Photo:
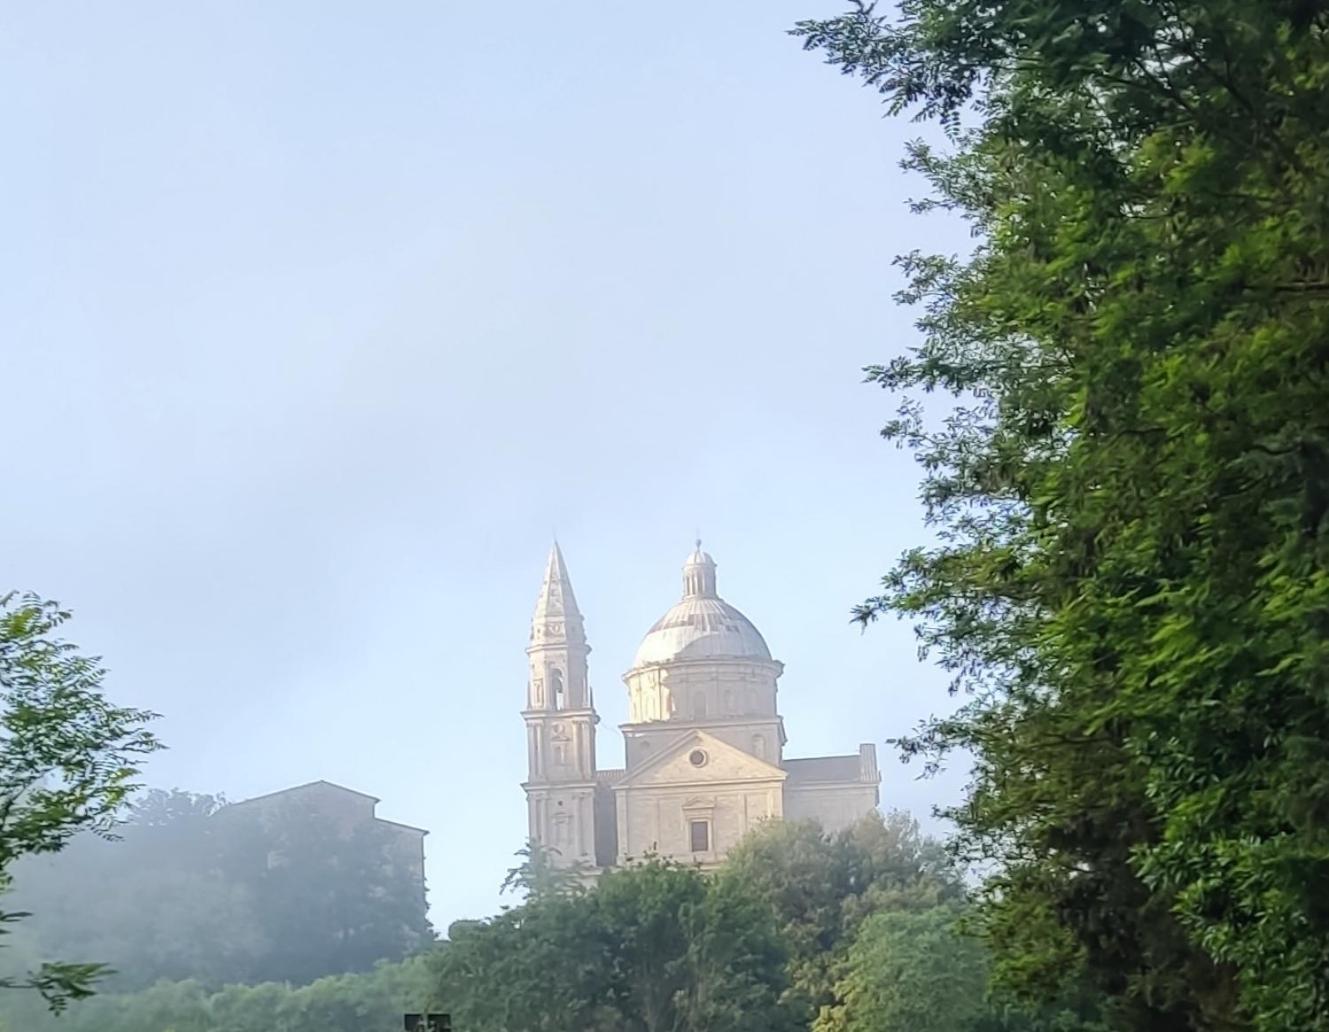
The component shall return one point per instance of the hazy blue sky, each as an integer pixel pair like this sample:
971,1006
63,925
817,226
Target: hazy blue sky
317,320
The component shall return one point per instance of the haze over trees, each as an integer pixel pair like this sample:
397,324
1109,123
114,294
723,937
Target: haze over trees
225,897
1129,477
1131,487
787,935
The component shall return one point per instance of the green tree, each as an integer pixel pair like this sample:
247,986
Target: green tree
910,971
368,1002
1131,487
541,874
821,887
68,759
540,967
650,948
919,969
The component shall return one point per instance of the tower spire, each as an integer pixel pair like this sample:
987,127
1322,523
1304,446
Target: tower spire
557,618
560,721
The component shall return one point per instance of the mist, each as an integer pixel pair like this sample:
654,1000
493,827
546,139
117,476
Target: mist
325,323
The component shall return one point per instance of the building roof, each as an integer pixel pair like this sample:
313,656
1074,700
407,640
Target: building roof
399,824
702,625
824,768
304,788
609,777
341,789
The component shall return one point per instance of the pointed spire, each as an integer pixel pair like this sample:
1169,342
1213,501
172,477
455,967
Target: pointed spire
557,617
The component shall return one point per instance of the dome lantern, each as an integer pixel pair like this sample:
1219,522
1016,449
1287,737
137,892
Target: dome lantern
702,626
699,575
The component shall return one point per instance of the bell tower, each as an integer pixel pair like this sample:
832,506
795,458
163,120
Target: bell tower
560,723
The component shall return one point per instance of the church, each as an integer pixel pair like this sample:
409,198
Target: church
703,745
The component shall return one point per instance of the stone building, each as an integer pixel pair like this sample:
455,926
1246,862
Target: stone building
344,811
704,742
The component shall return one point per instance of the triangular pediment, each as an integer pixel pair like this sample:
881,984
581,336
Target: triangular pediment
698,758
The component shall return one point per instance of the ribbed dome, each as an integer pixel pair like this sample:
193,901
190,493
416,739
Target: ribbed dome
703,625
701,628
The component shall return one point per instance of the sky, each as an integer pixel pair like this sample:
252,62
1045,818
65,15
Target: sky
319,320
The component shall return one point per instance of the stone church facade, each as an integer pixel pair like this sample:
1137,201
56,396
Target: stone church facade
704,742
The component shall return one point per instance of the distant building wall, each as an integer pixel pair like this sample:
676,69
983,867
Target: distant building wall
836,791
833,806
346,810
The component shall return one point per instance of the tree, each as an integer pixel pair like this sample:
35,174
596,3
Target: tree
540,874
68,759
1131,487
172,914
226,897
330,899
369,1002
176,811
649,948
910,970
821,887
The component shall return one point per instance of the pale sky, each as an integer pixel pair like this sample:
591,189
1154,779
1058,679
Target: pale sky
319,319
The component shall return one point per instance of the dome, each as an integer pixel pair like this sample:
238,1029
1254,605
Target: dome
701,628
702,625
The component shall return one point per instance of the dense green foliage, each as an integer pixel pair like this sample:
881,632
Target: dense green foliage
1131,488
822,888
369,1002
800,931
197,896
909,970
68,759
650,948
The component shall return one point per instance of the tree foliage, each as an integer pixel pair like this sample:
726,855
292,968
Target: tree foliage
366,1002
864,921
821,887
541,872
225,898
1131,487
910,970
328,899
653,947
68,759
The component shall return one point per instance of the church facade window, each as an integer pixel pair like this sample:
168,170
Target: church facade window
699,834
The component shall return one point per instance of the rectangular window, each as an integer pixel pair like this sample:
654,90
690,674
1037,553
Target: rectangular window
701,836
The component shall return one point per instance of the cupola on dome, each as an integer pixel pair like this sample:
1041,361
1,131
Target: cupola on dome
702,625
